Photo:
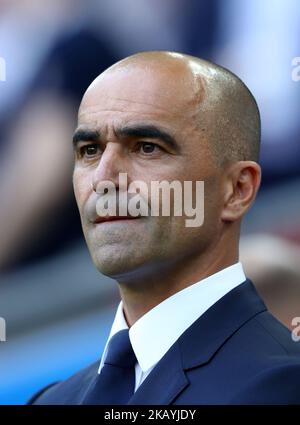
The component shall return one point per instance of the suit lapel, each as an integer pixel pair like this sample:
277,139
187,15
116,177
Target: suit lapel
206,335
198,344
164,382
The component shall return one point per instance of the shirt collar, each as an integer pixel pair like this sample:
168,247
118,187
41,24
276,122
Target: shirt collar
156,331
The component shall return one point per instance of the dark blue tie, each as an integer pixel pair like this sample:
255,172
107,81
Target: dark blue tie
116,381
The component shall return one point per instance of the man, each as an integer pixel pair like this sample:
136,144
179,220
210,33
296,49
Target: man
199,333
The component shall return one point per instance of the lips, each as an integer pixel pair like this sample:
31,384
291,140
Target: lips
112,218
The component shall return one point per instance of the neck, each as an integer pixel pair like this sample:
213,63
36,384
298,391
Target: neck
143,291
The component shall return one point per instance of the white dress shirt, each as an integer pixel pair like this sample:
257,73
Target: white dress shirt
156,331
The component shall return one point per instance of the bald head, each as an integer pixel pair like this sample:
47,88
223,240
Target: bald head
224,109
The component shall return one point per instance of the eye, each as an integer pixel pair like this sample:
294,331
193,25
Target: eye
147,147
89,150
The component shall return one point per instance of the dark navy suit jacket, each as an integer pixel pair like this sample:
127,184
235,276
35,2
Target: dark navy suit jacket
235,353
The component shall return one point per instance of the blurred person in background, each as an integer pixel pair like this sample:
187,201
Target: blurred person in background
37,119
273,264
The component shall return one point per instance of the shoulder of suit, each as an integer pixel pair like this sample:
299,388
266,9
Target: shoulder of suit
77,381
279,334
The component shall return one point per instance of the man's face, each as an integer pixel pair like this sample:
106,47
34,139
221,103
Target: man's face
115,116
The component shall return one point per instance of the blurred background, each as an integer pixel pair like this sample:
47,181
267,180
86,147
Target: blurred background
58,309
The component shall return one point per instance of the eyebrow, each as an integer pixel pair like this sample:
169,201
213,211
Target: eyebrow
138,131
82,135
149,132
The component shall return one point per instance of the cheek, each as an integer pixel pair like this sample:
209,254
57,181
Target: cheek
82,187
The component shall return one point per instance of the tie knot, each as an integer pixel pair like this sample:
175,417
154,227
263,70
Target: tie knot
120,352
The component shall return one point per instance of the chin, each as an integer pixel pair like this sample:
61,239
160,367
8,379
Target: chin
114,262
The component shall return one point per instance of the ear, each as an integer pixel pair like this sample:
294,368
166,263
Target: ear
242,181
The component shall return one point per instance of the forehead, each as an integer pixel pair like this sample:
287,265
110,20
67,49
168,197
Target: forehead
165,95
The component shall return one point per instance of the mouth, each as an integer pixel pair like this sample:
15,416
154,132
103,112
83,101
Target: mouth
107,219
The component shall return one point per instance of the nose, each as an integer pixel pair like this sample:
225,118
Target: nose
109,166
